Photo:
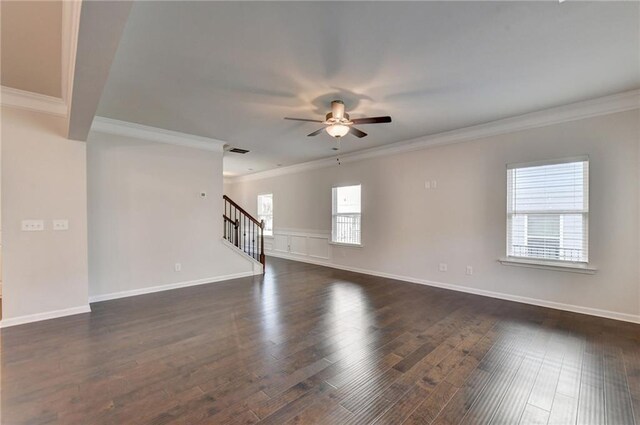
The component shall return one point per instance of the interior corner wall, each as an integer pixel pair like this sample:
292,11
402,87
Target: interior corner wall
43,178
146,214
408,230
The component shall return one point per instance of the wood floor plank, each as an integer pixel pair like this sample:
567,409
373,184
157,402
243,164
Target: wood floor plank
591,407
515,401
484,407
569,379
306,344
564,410
323,411
428,410
618,404
534,416
400,410
631,358
546,383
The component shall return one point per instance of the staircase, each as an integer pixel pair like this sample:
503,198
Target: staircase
243,231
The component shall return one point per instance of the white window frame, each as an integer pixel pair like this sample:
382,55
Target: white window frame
334,216
551,264
260,216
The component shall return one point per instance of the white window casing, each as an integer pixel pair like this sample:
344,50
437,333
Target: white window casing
346,221
548,211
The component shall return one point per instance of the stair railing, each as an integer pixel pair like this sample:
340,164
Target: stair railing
243,231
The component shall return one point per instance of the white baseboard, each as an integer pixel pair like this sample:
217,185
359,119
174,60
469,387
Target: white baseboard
167,287
460,288
20,320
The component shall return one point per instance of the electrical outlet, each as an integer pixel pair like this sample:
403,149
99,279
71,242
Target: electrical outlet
469,270
178,267
60,224
442,267
32,225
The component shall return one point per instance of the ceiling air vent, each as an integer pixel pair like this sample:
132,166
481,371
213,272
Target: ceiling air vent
238,150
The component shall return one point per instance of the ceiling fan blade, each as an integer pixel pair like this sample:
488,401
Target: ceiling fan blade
359,134
301,119
373,120
315,133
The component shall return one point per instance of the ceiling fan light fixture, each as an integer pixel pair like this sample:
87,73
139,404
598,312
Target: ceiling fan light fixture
337,130
339,124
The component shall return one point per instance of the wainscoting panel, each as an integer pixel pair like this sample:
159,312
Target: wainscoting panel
280,242
318,247
299,244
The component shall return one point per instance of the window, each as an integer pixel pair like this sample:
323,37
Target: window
346,215
265,212
548,211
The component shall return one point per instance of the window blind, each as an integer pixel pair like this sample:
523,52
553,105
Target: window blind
548,210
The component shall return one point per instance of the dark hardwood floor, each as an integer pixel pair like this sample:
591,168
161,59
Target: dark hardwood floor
307,344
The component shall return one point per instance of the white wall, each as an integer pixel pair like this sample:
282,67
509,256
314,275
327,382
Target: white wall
146,214
408,230
43,177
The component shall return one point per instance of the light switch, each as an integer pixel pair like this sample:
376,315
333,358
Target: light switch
427,184
61,224
32,225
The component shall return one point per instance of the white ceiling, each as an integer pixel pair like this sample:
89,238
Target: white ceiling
31,48
232,71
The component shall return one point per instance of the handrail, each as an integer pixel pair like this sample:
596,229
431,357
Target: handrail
243,230
242,210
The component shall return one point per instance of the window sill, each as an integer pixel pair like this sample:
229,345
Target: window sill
549,265
268,236
349,245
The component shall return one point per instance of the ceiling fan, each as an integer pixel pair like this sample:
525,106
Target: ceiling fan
338,123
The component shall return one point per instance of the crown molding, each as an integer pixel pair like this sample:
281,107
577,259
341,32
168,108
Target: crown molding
620,102
23,99
155,134
70,29
58,106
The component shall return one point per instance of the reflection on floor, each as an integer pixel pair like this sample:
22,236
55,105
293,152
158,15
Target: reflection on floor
309,344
